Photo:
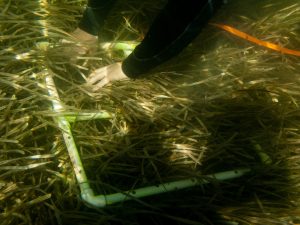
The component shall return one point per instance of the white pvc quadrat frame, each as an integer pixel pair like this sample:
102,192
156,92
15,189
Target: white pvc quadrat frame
87,193
63,120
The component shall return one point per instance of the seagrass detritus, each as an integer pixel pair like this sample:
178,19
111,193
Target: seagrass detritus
202,112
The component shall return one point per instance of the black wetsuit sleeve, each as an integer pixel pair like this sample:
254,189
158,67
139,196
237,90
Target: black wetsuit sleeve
95,14
179,22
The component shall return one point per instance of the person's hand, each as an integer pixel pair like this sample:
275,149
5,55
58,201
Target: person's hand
76,44
103,76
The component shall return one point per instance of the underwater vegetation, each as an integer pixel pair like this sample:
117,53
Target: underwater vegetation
224,103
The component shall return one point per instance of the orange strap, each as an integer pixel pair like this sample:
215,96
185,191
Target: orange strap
256,41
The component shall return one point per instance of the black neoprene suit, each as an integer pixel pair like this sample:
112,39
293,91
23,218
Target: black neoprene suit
177,24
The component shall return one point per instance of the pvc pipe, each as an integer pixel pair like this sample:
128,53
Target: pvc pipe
83,116
125,46
64,125
87,194
104,200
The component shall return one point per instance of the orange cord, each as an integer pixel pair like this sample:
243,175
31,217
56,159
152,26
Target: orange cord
256,41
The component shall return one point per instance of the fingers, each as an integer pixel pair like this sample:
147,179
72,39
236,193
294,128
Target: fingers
100,84
98,78
102,76
97,75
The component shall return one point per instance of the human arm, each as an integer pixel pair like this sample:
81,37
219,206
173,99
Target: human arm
174,28
178,23
94,15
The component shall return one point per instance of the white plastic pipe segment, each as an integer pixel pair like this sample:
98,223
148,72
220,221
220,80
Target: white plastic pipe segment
125,46
83,116
64,125
104,200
